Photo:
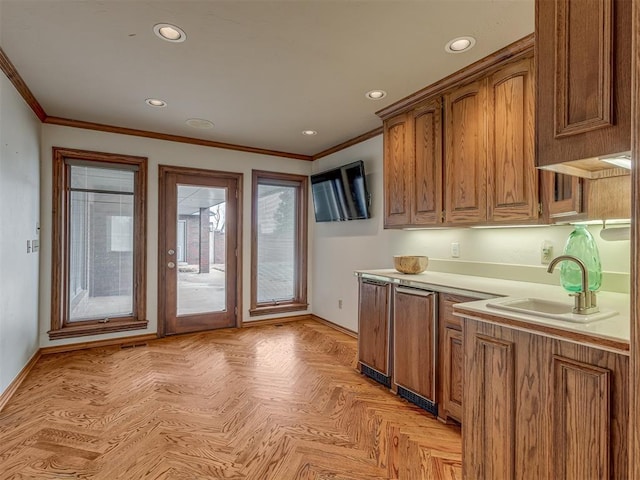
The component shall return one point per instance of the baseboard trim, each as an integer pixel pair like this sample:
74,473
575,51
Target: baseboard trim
335,326
13,386
274,321
135,339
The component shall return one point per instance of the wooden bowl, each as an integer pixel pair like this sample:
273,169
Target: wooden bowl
410,263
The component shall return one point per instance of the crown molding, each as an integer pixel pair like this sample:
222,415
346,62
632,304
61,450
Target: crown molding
359,139
14,77
67,122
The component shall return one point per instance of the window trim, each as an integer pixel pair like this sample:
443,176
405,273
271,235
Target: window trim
60,328
299,301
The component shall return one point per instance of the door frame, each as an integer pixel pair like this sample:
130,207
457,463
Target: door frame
163,171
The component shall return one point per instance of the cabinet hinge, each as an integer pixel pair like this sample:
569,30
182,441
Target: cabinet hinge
540,209
236,193
442,216
235,310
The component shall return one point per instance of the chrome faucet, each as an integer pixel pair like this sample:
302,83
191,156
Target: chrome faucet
585,300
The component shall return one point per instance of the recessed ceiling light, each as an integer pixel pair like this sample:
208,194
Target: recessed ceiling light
375,94
169,32
155,102
460,44
309,132
199,123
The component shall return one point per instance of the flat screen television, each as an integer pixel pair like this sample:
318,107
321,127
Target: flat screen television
341,194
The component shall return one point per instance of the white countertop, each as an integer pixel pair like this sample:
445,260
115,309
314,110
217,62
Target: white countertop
616,329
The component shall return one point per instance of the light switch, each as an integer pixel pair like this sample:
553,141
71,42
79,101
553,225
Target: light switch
28,246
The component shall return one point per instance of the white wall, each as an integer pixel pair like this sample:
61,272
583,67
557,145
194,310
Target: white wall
335,249
158,152
342,247
19,213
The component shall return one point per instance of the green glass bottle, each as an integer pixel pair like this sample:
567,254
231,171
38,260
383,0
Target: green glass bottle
581,244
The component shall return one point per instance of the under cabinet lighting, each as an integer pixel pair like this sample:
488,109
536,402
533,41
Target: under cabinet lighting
309,133
622,161
486,227
604,223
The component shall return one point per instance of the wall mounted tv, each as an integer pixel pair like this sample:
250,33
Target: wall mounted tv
341,194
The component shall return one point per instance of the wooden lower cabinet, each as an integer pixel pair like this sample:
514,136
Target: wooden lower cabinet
537,407
374,329
450,358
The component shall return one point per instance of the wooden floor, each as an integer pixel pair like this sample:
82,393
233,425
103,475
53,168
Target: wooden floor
275,402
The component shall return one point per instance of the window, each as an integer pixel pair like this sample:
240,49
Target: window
98,243
279,243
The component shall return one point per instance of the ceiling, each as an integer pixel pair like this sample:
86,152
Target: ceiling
261,71
191,198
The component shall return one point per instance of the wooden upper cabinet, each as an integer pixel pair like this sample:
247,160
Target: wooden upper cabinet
583,79
397,171
463,153
562,195
426,205
512,188
413,166
465,160
569,197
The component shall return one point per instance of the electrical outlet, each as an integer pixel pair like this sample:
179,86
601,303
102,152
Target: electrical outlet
455,249
35,245
546,252
340,304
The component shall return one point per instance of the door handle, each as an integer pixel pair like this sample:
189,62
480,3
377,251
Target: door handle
171,265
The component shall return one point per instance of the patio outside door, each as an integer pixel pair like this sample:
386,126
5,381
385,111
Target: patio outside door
198,250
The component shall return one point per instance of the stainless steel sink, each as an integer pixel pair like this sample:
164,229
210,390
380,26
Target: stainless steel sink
548,308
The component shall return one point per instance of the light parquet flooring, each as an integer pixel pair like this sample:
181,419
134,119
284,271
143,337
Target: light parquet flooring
263,403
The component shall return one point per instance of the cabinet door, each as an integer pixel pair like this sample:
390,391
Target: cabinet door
590,412
542,407
466,154
426,180
450,359
452,380
397,171
414,347
562,194
512,175
583,79
506,403
374,325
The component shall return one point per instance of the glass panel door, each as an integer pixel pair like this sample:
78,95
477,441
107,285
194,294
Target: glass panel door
201,273
198,269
